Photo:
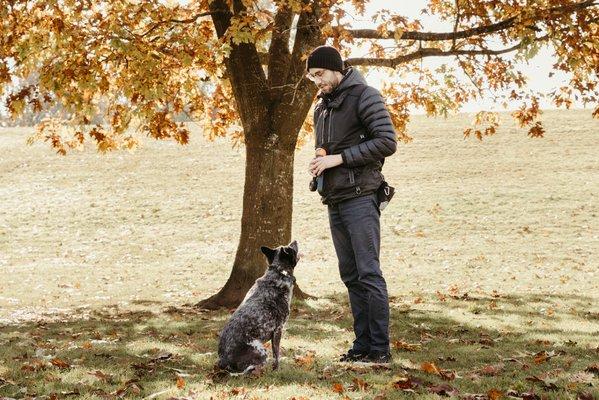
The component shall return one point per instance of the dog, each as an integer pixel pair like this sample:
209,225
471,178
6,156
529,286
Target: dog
261,316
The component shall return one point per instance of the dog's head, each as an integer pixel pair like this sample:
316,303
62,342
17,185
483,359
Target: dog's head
283,258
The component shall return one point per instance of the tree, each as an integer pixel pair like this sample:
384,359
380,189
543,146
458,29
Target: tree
239,65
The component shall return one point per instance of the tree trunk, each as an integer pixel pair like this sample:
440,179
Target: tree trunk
266,216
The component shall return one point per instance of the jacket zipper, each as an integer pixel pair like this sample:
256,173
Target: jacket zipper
330,119
321,128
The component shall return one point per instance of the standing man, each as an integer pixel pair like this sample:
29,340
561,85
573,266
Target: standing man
354,128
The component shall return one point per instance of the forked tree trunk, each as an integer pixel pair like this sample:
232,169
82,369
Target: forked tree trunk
266,217
272,110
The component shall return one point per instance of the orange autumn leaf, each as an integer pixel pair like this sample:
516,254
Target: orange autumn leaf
180,382
430,368
400,345
360,384
305,361
541,357
494,394
338,388
57,362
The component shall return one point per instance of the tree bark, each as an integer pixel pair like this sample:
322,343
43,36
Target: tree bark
266,217
272,111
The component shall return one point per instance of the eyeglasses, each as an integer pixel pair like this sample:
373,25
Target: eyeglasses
316,75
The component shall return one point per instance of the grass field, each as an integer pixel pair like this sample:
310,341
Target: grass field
489,250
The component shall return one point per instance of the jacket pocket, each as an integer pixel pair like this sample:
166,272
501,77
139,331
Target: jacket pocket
340,178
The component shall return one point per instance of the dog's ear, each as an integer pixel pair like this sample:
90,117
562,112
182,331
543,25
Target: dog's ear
293,245
291,253
269,253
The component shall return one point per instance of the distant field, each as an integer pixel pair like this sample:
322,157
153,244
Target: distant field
500,235
510,213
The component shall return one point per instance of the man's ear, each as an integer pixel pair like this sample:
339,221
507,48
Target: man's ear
269,253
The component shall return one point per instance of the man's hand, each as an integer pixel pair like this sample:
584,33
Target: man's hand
319,164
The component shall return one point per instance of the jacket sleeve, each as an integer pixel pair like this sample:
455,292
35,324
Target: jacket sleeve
377,121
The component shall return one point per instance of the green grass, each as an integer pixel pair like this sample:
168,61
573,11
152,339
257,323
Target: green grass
137,354
489,250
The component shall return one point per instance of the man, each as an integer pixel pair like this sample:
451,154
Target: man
354,128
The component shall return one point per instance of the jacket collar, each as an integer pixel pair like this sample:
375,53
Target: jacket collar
351,78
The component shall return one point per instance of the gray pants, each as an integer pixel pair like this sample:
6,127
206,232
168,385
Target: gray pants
355,228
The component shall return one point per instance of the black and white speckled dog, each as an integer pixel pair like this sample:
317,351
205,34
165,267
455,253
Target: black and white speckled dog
261,315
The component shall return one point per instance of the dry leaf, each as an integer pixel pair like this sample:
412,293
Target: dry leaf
306,361
338,388
491,370
57,362
431,368
541,357
359,384
443,390
180,382
238,390
405,382
400,345
494,394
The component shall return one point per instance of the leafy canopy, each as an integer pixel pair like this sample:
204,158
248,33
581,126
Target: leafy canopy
143,63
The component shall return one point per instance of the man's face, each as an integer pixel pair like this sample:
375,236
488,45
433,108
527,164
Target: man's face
325,79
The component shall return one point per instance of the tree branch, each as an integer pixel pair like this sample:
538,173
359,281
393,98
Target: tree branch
183,21
439,36
244,69
432,52
278,52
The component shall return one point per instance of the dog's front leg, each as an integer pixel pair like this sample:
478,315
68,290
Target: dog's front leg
276,341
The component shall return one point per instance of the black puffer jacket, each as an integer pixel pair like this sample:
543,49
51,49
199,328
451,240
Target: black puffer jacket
353,121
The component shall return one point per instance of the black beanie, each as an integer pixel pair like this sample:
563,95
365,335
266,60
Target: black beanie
326,57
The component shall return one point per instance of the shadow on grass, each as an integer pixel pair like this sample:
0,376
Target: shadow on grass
171,352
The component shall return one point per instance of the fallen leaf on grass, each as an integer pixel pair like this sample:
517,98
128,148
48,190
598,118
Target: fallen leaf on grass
359,384
430,368
238,390
541,357
593,368
544,356
57,362
494,394
400,345
546,383
585,396
101,376
305,361
491,370
441,296
34,366
180,382
405,383
338,388
443,390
